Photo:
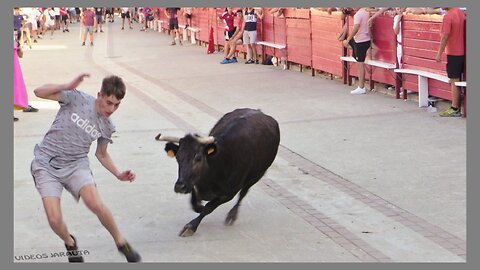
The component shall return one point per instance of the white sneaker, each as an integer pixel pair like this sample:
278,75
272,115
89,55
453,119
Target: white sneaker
358,91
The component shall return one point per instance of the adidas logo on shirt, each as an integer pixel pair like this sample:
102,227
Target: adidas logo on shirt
84,124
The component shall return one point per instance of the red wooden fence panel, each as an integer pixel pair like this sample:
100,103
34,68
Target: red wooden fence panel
421,40
273,30
201,21
299,41
326,49
384,48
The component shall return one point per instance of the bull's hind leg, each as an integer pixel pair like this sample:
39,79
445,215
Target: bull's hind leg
232,214
191,227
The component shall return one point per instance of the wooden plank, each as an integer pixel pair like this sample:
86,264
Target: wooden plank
422,35
423,63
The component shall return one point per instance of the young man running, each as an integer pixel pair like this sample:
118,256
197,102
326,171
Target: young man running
61,158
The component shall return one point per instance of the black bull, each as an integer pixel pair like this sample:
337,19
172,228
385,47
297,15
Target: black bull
239,149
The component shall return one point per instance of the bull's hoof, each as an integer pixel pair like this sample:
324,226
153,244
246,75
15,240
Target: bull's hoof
187,231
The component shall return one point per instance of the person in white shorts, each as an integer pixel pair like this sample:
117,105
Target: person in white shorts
250,32
61,158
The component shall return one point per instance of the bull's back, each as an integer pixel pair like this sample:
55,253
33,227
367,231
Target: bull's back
250,137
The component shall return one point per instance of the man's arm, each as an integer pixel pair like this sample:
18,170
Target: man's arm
396,24
52,91
352,34
104,157
259,13
443,44
375,15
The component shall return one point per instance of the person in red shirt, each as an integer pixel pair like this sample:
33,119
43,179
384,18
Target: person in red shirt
236,39
453,40
89,23
64,17
228,17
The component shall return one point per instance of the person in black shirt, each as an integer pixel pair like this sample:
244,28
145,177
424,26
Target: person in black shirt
99,13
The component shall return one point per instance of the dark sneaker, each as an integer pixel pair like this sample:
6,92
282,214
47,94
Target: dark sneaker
233,60
129,252
72,252
451,112
250,61
30,109
256,61
172,44
91,43
83,43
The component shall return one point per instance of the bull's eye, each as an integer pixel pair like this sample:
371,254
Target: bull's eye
197,158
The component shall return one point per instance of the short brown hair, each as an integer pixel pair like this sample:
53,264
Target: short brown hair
113,85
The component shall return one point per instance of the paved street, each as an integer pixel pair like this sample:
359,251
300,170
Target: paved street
357,178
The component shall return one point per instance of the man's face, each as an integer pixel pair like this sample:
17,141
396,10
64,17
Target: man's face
106,106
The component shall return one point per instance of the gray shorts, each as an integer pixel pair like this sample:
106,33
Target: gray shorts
88,29
249,37
50,180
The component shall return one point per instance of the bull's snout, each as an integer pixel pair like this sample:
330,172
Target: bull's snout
181,187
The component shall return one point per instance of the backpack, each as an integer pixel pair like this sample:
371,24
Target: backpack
268,60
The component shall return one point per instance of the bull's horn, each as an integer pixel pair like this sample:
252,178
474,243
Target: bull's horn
205,140
160,137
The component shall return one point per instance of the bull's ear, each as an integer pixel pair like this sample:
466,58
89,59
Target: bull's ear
211,149
171,149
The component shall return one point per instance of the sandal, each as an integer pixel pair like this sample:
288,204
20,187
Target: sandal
72,252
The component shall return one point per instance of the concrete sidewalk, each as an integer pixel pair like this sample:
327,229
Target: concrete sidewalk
357,178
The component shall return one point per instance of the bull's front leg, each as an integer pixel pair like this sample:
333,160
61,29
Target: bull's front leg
191,227
196,201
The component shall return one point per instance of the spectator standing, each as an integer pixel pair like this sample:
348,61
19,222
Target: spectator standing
99,13
64,19
172,16
187,16
125,14
360,41
58,18
89,22
110,14
251,16
49,17
33,20
17,24
453,40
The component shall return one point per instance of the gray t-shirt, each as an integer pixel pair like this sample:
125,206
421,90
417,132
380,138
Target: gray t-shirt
75,127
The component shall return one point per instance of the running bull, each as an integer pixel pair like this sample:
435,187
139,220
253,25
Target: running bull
235,155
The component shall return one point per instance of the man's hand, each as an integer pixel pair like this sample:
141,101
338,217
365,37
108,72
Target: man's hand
127,175
77,81
345,43
370,22
439,57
